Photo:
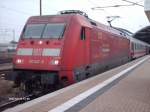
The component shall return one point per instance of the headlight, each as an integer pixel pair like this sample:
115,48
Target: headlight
40,42
54,62
19,61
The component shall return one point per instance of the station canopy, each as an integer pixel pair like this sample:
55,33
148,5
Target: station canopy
143,34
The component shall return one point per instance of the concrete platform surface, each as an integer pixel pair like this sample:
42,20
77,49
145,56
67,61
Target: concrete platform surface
130,92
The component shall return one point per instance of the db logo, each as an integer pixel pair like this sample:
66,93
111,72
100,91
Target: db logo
37,52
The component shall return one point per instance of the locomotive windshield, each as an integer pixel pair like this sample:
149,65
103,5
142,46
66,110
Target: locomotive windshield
33,30
50,30
54,30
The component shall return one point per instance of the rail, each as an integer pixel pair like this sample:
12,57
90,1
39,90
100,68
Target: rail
15,102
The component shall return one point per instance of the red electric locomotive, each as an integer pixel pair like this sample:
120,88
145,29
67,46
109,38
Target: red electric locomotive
66,48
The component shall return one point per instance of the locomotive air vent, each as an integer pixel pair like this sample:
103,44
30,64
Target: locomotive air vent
73,12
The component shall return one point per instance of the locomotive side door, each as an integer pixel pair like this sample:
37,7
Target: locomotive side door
85,36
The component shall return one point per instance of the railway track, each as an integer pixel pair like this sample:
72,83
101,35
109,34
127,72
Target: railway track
5,68
3,73
6,93
20,100
9,100
15,101
2,61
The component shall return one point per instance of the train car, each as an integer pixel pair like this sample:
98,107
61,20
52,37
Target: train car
66,48
138,48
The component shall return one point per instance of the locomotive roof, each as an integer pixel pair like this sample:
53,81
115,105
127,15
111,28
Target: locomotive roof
84,21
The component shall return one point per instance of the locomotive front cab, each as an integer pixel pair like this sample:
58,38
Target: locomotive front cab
40,46
39,52
46,53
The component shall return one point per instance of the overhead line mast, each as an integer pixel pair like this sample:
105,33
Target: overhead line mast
40,7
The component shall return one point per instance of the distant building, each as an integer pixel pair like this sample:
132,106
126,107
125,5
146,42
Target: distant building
3,47
8,47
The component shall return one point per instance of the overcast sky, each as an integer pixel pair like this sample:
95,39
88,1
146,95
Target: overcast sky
14,13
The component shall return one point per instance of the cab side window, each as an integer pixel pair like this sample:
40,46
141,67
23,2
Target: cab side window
82,34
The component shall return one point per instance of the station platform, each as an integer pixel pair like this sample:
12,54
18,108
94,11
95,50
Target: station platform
122,89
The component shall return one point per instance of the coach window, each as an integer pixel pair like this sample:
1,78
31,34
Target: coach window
82,35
